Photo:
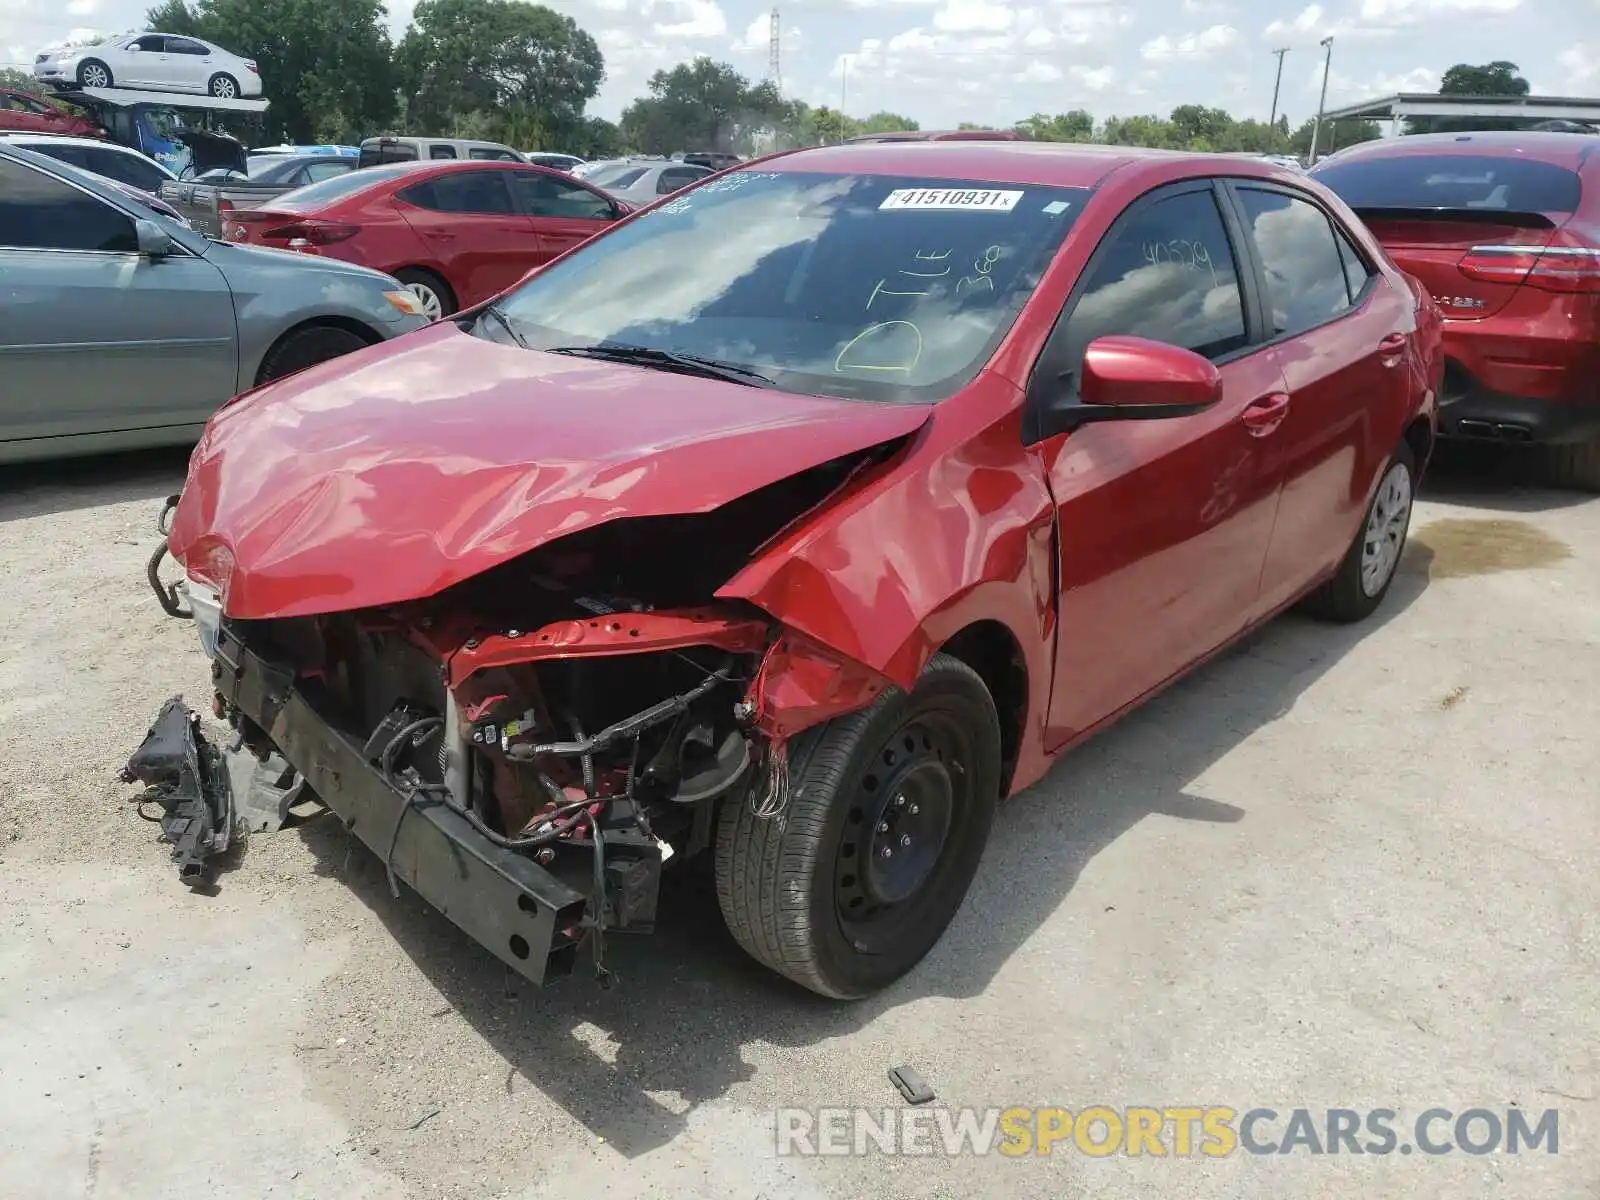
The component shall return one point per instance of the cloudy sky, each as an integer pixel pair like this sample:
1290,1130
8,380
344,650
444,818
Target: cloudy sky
994,61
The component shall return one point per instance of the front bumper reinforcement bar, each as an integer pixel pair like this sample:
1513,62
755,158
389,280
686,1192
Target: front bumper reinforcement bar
526,916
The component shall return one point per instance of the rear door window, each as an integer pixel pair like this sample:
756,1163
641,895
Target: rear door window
480,192
1166,273
1356,273
490,154
1452,182
126,168
1306,281
441,151
542,195
317,172
674,178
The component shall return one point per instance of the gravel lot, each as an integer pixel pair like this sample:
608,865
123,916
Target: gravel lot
1336,868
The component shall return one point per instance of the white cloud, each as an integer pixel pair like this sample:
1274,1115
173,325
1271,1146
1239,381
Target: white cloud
1397,13
1344,88
974,16
1096,79
1581,62
1193,47
1208,8
1039,72
688,18
82,8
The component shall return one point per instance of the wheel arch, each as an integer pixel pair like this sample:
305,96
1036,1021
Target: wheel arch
991,649
1420,437
330,321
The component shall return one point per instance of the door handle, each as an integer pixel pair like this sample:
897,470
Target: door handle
439,236
1391,348
1262,416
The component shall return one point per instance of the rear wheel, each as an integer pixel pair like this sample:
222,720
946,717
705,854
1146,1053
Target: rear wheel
434,293
92,73
888,812
223,87
1576,465
306,348
1370,564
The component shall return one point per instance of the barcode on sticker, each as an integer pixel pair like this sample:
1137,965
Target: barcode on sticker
946,199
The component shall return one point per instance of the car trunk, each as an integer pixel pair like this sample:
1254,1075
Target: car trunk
1471,227
1438,247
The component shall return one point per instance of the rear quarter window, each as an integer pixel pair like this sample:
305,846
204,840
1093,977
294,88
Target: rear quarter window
1452,182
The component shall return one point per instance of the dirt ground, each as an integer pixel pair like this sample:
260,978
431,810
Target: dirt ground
1339,867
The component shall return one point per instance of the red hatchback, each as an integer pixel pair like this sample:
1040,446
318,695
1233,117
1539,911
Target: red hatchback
801,519
1504,230
22,113
454,233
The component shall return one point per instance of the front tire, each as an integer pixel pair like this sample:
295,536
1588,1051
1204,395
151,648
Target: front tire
888,813
306,348
1370,565
223,87
92,73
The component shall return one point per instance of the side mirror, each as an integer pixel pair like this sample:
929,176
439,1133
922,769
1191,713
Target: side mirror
154,241
1133,379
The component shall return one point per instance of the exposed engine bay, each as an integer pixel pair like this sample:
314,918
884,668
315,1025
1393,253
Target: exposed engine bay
581,708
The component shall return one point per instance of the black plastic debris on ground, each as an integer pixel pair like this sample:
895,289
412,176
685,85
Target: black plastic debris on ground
186,776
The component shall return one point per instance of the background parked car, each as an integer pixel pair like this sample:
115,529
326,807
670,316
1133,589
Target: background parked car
208,200
556,162
143,328
157,62
22,113
1504,230
643,183
454,233
115,162
377,150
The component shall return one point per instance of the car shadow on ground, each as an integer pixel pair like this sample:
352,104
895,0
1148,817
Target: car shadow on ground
1510,479
686,999
45,488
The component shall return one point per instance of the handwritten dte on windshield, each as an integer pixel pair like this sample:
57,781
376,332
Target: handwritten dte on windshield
894,343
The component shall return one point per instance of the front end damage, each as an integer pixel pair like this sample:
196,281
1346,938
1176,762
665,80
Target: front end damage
528,750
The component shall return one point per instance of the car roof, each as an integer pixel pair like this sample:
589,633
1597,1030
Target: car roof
1559,149
1045,164
64,139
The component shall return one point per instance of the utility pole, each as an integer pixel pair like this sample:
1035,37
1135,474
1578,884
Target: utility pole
774,43
844,77
1322,103
1276,84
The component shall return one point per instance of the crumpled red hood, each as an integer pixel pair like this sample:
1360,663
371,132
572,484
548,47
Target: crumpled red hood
400,470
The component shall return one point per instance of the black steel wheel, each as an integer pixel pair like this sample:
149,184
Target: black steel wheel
888,813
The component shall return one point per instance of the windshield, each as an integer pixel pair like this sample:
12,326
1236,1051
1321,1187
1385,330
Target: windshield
1452,181
316,195
858,286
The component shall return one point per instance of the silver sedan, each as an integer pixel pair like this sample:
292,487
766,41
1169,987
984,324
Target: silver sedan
643,182
121,329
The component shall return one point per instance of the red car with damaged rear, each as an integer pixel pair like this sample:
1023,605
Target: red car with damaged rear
22,113
1504,230
798,521
455,233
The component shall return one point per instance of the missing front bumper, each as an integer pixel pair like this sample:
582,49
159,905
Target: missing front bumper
532,918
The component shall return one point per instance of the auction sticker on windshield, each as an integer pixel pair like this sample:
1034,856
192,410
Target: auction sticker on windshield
948,199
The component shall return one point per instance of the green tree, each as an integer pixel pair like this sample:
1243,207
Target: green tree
704,105
20,81
885,122
1074,126
326,65
1334,134
526,68
1498,78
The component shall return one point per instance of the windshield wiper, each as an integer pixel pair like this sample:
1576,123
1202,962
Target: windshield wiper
501,320
670,360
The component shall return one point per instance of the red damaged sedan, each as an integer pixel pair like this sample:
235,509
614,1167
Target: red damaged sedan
454,233
797,521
